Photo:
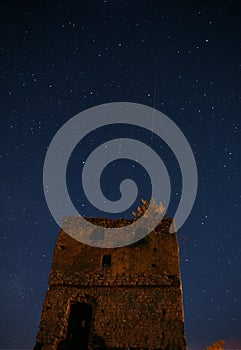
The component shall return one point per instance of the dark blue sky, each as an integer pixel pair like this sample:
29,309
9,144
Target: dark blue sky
183,58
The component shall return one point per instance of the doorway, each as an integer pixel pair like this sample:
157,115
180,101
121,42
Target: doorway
79,327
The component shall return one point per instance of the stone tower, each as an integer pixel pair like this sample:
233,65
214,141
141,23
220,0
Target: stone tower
120,298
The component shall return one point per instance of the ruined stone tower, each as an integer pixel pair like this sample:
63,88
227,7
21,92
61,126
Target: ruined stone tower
121,298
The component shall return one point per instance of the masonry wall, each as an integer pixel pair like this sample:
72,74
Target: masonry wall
136,302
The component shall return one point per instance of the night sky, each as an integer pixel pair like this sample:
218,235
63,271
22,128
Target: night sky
59,58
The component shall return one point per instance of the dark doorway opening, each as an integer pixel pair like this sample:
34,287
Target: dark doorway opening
79,327
106,260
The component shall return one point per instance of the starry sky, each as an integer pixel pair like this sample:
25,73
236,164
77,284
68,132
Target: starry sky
59,58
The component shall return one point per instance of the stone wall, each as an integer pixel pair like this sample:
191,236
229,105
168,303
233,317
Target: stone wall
136,302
